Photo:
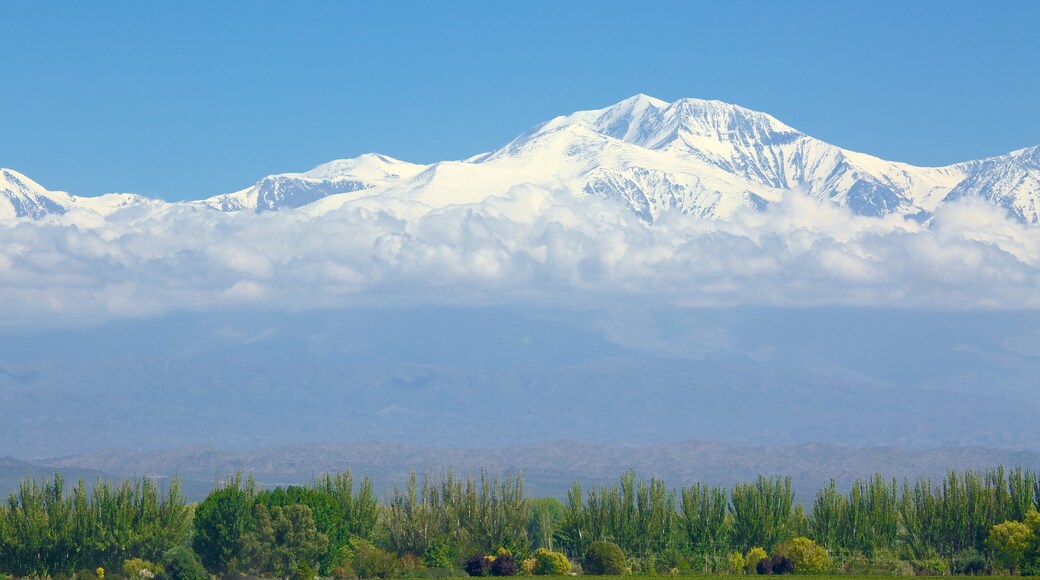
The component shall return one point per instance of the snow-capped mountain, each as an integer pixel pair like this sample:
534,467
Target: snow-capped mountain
1011,181
21,197
298,189
703,158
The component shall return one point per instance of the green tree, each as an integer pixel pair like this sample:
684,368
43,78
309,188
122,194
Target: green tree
573,531
44,532
282,539
340,512
760,512
1010,541
222,522
545,516
182,563
703,518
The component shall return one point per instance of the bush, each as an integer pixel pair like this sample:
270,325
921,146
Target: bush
971,566
737,564
368,561
604,558
504,565
304,571
781,564
931,567
549,563
138,568
753,557
764,566
439,555
182,563
807,556
345,570
477,565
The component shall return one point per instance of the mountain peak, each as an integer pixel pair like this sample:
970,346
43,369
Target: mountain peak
368,166
22,197
702,157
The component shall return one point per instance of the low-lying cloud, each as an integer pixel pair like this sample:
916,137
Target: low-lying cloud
530,246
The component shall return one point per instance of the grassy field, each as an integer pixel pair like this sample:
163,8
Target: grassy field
720,576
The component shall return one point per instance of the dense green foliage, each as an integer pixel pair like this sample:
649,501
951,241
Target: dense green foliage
182,563
222,521
458,516
603,557
974,522
807,556
339,512
638,516
549,563
45,531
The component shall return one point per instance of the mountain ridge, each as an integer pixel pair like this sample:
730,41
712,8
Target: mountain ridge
704,158
550,467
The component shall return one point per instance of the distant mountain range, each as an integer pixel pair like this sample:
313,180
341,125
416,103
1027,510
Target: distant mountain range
548,468
702,158
494,377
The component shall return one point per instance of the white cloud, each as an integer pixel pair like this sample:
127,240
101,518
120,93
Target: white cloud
528,246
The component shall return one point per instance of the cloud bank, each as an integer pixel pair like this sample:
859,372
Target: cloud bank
529,246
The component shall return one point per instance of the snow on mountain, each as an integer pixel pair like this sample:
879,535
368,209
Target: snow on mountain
290,190
765,152
704,158
1010,181
577,159
21,197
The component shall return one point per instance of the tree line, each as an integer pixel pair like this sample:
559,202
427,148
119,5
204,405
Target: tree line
969,522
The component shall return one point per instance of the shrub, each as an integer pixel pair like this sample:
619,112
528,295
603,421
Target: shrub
931,567
439,555
369,561
477,565
781,564
753,557
549,563
971,566
764,566
182,563
604,558
672,561
138,568
504,565
526,567
737,564
345,570
807,556
304,571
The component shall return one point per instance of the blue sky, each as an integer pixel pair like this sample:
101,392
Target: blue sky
185,100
